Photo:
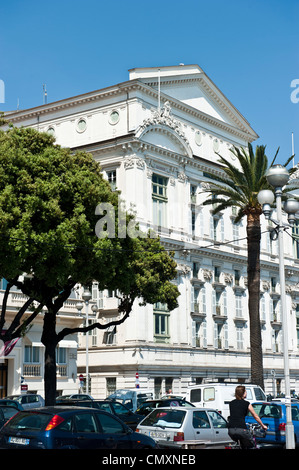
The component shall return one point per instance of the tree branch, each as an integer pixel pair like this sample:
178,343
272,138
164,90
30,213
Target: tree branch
27,322
16,321
125,307
4,304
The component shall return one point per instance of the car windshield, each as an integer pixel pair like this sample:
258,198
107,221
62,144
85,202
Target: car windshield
165,418
120,409
33,421
8,411
267,410
15,398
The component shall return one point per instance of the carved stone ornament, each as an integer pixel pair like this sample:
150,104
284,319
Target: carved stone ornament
130,163
183,269
182,177
228,278
266,285
164,117
207,274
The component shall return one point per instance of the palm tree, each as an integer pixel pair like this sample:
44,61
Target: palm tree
239,187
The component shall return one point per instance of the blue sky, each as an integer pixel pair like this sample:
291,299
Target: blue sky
250,49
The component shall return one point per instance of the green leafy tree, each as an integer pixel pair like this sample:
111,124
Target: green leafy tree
239,187
48,200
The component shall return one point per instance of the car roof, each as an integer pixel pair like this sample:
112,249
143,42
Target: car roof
55,409
183,408
11,397
276,402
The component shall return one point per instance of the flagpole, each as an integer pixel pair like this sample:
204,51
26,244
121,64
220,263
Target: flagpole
159,91
293,153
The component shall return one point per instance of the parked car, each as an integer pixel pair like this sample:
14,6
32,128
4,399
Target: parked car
132,398
62,427
191,427
273,414
74,396
28,400
149,405
118,409
6,412
14,403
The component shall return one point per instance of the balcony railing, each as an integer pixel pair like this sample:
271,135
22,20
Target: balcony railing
32,370
61,370
35,370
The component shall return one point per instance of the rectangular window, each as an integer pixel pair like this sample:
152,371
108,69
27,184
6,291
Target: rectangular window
273,284
239,307
195,269
110,385
109,336
193,190
240,338
209,394
31,354
237,277
111,175
217,228
61,355
159,197
193,222
161,323
217,272
236,233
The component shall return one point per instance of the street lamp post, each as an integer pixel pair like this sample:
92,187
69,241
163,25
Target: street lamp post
278,176
86,296
80,306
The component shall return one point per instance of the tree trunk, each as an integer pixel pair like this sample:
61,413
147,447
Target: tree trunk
253,272
49,339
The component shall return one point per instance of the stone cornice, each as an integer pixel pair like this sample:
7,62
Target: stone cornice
129,144
125,88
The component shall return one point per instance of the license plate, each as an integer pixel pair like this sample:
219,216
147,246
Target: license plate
158,434
18,440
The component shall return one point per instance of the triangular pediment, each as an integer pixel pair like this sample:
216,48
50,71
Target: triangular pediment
195,94
189,85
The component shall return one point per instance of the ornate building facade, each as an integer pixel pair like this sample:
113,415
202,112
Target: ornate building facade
157,137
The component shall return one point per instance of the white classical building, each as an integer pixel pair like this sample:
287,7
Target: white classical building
156,137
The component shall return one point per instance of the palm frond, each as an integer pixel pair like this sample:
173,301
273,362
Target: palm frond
242,182
273,161
288,161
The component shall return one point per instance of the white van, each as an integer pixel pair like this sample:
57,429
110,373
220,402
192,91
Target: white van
132,398
218,395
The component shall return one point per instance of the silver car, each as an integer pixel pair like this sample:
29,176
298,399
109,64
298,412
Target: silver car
186,427
28,400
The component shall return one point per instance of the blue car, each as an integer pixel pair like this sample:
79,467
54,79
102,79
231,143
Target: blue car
274,415
70,428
